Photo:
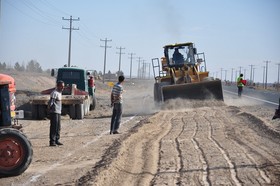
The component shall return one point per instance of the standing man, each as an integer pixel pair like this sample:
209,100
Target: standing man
116,103
240,84
55,108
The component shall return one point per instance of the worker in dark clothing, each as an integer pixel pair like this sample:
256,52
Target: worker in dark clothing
277,112
55,107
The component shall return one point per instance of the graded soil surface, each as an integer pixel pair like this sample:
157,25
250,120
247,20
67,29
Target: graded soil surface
182,143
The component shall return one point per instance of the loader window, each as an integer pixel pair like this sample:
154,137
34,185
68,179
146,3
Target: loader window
177,55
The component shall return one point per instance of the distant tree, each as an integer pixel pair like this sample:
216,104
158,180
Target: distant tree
3,66
120,73
33,66
18,67
48,71
100,73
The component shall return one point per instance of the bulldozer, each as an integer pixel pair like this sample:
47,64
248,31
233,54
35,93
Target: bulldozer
182,73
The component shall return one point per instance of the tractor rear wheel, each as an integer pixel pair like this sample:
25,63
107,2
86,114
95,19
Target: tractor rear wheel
15,152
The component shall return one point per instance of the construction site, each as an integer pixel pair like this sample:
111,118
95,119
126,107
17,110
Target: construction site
190,95
185,142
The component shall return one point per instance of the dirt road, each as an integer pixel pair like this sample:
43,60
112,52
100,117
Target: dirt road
199,143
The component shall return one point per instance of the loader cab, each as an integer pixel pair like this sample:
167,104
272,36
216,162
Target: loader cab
180,54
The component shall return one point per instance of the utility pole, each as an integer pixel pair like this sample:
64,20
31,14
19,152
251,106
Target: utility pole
120,56
253,80
70,35
105,46
143,69
266,73
240,69
222,74
138,72
225,75
131,54
263,76
232,74
278,76
150,70
251,73
244,75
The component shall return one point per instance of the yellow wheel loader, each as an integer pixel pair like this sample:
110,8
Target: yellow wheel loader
182,74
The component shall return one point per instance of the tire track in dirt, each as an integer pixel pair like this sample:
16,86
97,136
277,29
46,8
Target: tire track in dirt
205,165
131,163
217,166
258,146
233,171
245,159
170,164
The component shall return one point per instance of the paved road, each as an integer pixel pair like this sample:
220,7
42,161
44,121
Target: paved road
267,98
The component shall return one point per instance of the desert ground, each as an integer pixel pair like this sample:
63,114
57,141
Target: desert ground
184,142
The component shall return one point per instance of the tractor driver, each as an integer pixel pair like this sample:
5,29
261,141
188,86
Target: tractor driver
178,58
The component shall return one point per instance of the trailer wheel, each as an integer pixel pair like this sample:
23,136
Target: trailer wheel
72,112
15,152
93,104
79,111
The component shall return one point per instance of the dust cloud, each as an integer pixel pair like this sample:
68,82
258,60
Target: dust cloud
183,104
138,98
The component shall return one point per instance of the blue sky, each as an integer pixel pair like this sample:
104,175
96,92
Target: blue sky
232,33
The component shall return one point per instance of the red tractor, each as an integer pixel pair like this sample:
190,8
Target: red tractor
15,149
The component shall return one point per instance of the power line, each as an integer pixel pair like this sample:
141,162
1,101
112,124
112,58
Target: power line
52,7
105,46
27,15
70,35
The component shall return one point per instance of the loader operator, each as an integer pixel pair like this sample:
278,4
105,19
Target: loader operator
240,85
178,58
116,103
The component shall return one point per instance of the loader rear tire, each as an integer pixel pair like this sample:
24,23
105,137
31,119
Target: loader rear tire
72,112
16,152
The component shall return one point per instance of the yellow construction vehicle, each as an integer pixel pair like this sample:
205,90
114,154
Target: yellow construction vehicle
182,74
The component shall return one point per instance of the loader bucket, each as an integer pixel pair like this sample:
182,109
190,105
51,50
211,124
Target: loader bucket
200,90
